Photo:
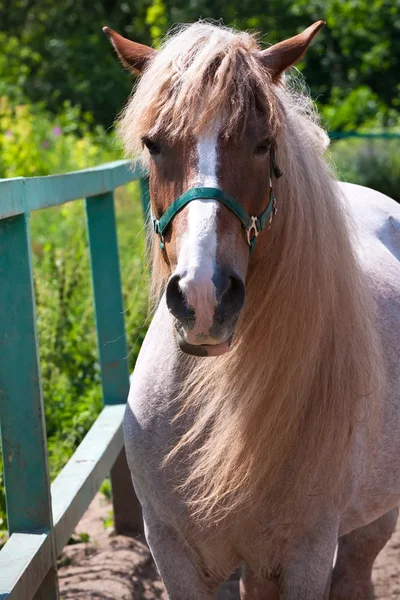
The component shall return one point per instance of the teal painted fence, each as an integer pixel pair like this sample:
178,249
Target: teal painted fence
42,517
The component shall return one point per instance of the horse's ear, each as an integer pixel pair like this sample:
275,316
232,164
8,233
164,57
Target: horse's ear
281,56
133,56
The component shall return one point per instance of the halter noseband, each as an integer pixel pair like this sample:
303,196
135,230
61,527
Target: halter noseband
253,225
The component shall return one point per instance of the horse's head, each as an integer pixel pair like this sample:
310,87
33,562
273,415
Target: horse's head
207,115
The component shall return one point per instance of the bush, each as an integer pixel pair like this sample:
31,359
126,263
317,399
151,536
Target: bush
33,142
374,163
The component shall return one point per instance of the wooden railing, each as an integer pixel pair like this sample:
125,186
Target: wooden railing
42,517
383,135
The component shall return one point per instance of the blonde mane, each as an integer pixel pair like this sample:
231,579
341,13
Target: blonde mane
275,415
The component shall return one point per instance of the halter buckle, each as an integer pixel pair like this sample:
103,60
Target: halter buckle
155,224
252,228
273,212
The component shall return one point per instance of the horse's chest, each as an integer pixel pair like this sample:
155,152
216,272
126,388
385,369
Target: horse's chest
264,545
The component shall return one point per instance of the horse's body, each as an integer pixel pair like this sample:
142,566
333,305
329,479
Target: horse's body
189,558
268,455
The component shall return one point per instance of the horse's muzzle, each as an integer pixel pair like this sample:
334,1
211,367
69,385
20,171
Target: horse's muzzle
206,312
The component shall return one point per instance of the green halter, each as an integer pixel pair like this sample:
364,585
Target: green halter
252,225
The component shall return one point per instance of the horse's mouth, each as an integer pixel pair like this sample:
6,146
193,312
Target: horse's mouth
205,349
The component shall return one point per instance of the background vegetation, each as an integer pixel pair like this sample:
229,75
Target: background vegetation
60,90
56,50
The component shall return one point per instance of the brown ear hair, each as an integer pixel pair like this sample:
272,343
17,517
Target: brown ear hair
133,56
281,56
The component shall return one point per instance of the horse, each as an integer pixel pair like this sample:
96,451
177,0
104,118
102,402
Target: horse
262,424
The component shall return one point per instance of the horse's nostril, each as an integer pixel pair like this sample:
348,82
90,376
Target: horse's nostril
176,300
232,298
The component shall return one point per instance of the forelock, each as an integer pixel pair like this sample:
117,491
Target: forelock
202,70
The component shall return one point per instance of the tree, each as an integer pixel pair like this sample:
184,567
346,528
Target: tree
56,51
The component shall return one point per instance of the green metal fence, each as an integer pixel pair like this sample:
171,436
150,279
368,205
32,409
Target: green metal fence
41,518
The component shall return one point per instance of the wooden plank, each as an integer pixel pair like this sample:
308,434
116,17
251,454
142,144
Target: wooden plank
336,135
23,431
21,403
12,196
111,338
108,298
25,561
21,195
76,485
46,589
128,517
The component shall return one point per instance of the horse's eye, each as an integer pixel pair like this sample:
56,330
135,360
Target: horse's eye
263,147
151,146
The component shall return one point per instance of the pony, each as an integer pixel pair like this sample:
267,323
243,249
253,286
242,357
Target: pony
262,424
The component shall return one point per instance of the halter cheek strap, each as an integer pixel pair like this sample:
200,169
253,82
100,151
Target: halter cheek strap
252,224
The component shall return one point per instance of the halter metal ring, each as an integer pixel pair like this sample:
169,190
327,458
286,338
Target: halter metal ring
252,227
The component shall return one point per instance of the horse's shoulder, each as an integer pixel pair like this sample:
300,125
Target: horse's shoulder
155,377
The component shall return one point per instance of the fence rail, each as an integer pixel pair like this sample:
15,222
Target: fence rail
340,135
41,518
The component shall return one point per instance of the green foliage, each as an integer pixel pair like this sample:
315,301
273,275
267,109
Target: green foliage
348,112
65,328
108,521
57,51
16,62
105,489
360,46
79,538
34,142
373,163
157,19
64,55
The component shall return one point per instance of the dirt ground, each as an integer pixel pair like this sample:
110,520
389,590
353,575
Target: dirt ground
110,567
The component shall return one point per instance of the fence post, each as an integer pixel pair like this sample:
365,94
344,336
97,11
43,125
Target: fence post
145,195
23,431
110,325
